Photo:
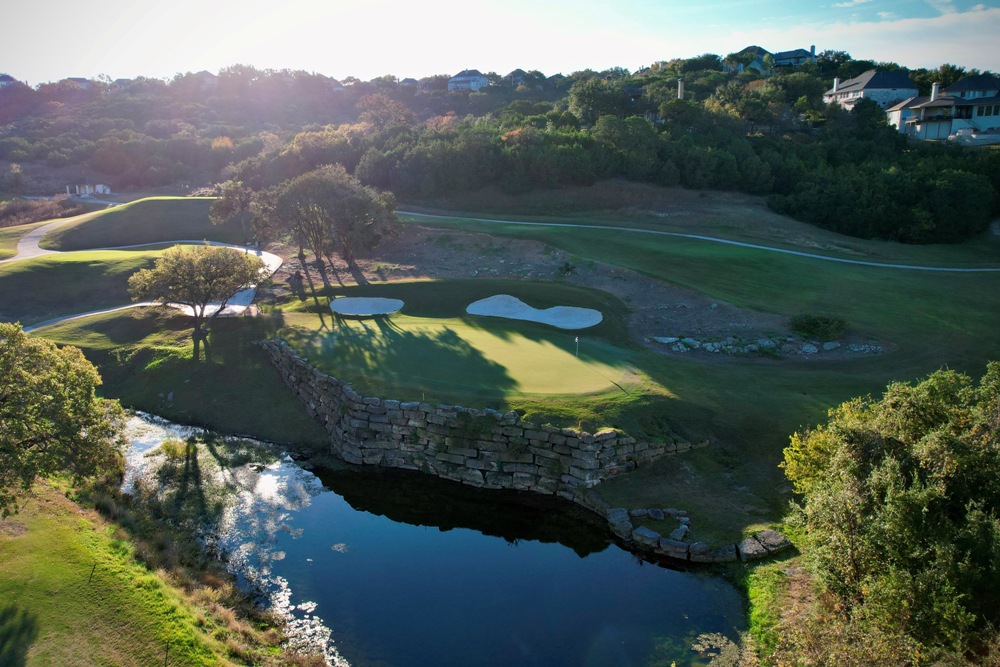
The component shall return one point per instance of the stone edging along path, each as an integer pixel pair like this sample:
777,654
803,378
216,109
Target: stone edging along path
493,450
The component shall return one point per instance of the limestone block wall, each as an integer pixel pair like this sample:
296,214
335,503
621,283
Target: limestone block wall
483,448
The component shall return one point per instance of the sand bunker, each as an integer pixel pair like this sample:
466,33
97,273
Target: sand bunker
358,306
563,317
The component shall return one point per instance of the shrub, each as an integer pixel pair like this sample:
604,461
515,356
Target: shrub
822,327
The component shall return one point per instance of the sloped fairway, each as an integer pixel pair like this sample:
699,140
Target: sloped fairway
9,236
72,594
40,289
150,220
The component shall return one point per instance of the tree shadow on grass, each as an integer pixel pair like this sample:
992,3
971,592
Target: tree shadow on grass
374,353
18,631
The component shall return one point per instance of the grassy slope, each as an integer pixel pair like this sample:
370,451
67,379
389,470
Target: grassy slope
144,356
144,221
9,236
52,612
36,290
749,407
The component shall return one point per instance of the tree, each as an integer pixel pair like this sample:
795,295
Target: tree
196,277
901,503
235,203
330,210
51,420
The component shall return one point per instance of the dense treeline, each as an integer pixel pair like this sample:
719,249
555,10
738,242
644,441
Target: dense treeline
768,135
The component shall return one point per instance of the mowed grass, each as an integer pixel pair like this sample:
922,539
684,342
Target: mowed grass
51,286
747,408
9,237
72,594
150,220
434,351
144,356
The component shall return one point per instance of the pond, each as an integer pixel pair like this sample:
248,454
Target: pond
397,569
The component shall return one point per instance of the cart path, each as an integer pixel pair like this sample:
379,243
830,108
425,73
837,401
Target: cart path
237,305
712,239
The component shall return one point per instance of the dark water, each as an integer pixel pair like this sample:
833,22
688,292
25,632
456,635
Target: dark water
400,569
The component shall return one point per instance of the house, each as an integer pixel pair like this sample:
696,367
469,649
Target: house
206,80
7,80
966,111
468,79
88,189
80,81
884,88
121,84
794,58
515,78
409,81
753,57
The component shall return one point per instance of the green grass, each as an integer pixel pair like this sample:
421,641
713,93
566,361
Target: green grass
144,221
9,236
144,356
50,286
72,594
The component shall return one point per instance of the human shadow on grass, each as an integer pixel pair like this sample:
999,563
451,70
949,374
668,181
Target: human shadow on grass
375,352
18,631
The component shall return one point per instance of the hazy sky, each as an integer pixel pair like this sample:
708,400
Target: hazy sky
47,40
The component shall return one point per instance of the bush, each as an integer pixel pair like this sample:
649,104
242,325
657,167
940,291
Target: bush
819,326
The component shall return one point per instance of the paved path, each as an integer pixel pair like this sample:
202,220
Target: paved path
713,239
237,305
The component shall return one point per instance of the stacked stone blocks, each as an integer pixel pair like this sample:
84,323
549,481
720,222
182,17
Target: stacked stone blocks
483,448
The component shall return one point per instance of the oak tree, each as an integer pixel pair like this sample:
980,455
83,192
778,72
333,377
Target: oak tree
51,420
202,278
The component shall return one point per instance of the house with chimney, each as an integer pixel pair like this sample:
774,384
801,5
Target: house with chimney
884,88
468,79
967,110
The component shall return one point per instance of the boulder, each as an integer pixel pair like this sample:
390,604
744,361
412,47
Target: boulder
751,549
772,540
656,514
646,536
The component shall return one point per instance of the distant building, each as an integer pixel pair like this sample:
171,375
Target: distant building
88,189
515,78
80,81
884,88
409,81
794,58
7,80
967,110
468,79
121,84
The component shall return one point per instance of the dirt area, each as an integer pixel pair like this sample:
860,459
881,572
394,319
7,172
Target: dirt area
659,309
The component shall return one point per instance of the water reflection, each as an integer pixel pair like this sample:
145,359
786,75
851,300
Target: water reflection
416,499
390,568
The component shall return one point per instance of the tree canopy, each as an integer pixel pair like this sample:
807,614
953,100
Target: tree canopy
51,420
328,210
196,277
901,503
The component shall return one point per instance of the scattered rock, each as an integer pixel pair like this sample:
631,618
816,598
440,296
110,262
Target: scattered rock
655,514
807,348
679,533
830,345
638,513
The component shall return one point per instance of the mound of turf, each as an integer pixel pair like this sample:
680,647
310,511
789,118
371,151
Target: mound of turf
149,220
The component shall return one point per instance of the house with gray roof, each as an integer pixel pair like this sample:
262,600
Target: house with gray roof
7,80
795,57
967,111
468,79
883,88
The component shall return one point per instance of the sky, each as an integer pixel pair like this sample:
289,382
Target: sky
47,40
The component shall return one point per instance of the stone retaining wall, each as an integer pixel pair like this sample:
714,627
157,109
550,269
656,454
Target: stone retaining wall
494,450
484,448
